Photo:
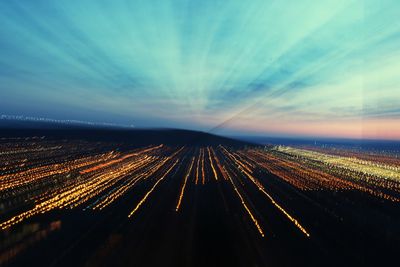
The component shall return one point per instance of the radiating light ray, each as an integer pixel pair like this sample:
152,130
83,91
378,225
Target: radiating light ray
304,62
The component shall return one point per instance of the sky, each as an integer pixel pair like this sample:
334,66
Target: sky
328,68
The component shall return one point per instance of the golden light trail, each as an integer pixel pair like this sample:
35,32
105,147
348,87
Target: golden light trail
119,160
354,164
212,165
152,189
261,188
197,168
219,165
203,176
252,217
237,161
308,171
183,187
291,218
44,177
86,186
125,187
35,174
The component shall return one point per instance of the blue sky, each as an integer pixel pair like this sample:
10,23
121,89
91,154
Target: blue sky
326,68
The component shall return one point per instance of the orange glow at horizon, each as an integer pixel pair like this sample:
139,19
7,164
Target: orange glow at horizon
387,129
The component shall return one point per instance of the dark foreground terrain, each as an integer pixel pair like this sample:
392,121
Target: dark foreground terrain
195,200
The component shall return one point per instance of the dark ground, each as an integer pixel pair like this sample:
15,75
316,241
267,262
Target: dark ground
211,229
347,228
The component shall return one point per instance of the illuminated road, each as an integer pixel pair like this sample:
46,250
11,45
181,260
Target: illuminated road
73,203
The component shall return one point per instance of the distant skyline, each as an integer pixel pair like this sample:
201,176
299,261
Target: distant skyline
13,118
276,68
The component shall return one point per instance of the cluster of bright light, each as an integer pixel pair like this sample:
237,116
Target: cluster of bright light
96,180
354,164
311,170
100,179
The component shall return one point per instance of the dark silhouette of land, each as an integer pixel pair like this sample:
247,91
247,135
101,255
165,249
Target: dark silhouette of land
135,137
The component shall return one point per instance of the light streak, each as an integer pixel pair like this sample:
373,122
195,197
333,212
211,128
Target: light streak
119,160
183,187
252,217
42,175
212,165
151,190
106,183
197,168
203,176
272,200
